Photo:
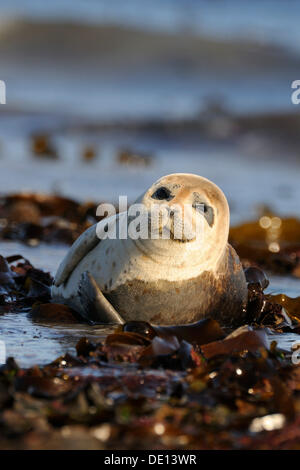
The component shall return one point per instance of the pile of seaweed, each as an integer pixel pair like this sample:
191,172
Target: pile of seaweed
33,218
272,243
147,387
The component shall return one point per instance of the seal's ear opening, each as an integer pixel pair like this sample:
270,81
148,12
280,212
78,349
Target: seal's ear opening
162,194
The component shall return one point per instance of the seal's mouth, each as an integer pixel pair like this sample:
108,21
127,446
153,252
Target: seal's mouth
167,225
182,240
175,232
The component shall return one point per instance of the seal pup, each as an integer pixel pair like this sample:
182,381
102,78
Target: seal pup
164,280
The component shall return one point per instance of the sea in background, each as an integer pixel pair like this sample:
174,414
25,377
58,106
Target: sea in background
202,86
110,59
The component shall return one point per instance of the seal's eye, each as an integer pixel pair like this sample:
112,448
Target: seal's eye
200,207
162,194
204,209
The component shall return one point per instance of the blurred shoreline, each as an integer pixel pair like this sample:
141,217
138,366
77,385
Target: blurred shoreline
113,72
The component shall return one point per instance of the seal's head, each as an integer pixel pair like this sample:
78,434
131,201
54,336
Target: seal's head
175,277
191,211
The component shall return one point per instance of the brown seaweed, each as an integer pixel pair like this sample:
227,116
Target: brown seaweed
152,387
34,218
272,243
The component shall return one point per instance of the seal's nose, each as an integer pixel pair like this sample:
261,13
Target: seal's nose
182,197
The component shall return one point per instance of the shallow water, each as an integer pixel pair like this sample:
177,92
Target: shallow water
40,343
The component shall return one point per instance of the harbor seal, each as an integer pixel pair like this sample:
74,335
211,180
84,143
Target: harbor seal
161,280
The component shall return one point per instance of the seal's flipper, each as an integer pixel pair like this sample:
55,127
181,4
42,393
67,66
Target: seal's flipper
86,242
80,248
95,307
